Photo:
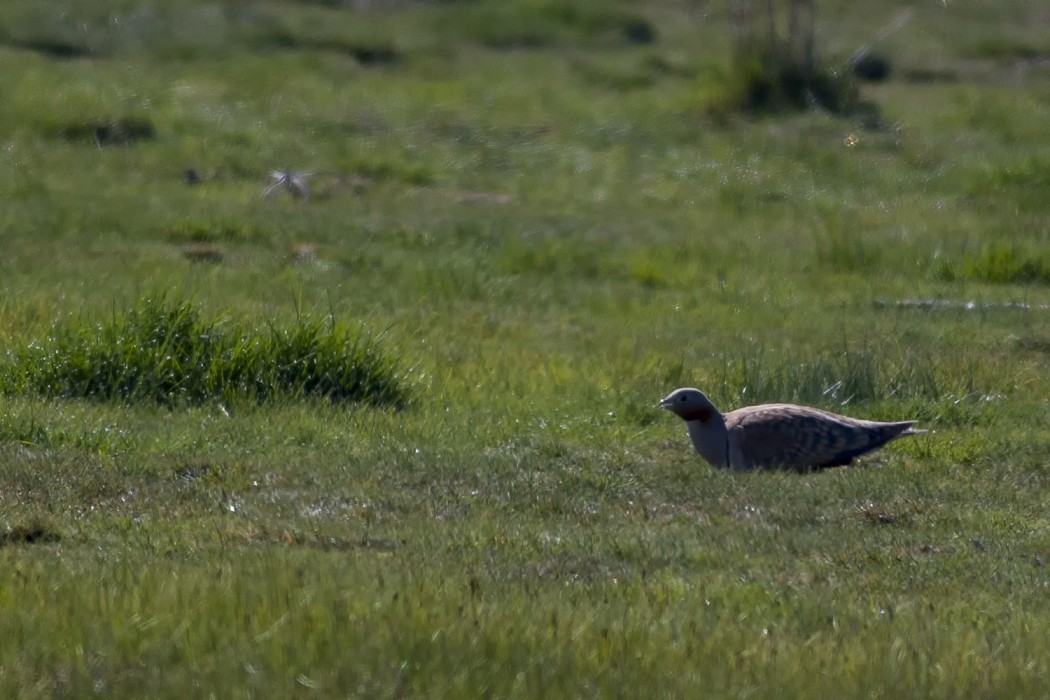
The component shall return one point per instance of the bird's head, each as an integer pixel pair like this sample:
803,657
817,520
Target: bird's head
689,405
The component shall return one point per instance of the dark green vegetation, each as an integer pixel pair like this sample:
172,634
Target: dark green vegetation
535,219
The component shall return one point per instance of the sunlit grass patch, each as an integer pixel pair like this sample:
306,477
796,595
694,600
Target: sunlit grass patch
551,256
166,353
849,377
998,264
32,427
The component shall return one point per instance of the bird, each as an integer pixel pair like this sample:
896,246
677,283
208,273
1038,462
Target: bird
778,436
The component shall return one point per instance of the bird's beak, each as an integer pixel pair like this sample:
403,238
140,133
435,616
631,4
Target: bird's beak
665,403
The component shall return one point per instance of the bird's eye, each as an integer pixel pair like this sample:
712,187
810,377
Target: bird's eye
683,397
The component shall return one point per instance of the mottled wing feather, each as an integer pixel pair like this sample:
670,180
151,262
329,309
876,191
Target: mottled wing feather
797,437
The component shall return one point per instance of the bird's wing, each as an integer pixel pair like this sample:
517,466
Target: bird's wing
797,437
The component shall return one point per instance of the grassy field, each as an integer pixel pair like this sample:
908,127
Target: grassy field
526,222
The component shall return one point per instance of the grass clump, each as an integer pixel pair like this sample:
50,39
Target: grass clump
776,66
997,264
770,81
165,353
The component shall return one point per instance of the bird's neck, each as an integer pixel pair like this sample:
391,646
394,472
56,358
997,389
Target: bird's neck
711,440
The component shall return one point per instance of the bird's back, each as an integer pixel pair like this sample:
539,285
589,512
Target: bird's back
798,437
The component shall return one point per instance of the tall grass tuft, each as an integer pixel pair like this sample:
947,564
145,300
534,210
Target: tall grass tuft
999,264
775,62
164,353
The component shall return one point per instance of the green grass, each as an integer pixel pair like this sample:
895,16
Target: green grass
167,354
527,223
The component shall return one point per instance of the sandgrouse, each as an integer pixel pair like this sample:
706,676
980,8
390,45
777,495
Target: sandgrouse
778,436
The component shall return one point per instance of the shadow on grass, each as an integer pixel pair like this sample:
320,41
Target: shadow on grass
122,131
31,532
